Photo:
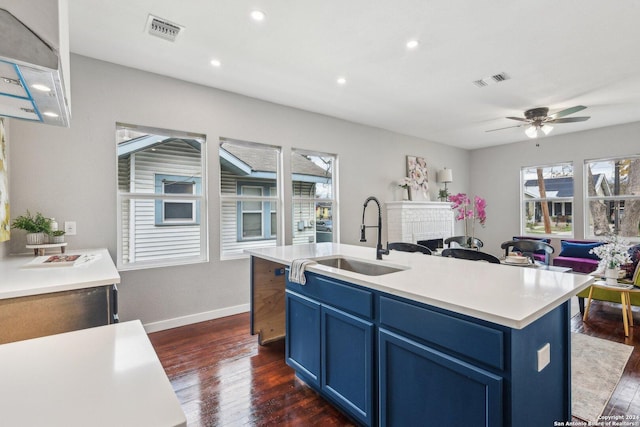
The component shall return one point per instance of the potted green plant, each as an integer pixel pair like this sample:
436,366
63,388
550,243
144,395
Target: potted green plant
36,226
56,236
443,195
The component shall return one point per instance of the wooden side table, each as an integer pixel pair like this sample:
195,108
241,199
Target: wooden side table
38,250
625,300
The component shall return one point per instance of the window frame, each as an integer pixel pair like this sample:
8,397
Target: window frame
273,200
611,198
333,201
524,230
148,195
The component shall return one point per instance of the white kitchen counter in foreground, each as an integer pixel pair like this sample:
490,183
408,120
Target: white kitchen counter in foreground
104,376
507,295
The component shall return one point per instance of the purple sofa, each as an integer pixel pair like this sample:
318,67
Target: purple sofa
575,254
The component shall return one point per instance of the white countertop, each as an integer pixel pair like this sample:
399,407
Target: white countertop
17,279
507,295
104,376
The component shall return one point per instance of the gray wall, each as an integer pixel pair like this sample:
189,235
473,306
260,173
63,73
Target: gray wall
495,174
71,174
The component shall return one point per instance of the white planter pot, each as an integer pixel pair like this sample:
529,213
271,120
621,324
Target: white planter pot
611,275
56,239
35,238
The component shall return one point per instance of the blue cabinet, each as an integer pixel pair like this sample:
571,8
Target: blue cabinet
422,386
347,362
333,351
386,360
302,346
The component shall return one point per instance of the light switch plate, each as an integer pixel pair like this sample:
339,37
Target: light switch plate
70,228
544,356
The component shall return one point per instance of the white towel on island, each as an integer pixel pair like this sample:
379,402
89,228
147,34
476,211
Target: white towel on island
296,273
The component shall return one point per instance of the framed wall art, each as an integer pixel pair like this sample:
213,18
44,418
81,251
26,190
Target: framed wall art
417,173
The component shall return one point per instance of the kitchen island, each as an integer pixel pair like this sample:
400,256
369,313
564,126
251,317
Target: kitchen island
103,376
435,341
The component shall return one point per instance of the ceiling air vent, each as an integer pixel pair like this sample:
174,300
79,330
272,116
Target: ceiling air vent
162,28
496,78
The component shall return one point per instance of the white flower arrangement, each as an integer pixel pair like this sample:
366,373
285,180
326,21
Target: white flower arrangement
613,254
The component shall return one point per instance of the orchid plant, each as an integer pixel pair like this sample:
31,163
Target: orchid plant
469,211
612,254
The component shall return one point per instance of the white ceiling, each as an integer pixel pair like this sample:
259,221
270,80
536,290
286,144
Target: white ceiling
558,54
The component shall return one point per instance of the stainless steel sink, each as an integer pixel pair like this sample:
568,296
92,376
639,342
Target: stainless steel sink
357,266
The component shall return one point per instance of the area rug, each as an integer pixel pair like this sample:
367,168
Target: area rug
596,368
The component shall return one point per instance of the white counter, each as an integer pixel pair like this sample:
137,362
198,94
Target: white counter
507,295
19,280
104,376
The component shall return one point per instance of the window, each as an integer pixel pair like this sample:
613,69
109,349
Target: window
177,212
313,177
547,200
612,197
259,219
250,200
160,197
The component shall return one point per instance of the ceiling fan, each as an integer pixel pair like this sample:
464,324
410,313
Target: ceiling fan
538,120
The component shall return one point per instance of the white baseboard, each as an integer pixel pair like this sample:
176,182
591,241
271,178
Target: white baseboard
195,318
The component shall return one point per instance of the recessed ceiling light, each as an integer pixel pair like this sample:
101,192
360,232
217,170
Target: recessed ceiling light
258,15
42,88
50,114
216,63
341,81
412,44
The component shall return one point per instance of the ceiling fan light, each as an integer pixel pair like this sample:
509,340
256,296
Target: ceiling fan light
546,129
531,132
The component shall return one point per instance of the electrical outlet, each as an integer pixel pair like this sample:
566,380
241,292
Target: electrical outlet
70,228
544,356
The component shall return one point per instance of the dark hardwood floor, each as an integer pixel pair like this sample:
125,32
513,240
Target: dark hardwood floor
222,377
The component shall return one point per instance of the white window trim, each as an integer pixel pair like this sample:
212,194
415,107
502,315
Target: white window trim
334,191
586,198
523,225
202,198
278,200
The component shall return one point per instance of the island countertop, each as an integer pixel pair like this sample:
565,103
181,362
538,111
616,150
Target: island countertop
104,376
511,296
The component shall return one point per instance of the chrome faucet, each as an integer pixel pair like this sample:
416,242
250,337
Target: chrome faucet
363,238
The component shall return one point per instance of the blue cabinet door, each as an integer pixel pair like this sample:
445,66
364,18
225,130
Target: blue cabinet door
347,363
302,346
420,386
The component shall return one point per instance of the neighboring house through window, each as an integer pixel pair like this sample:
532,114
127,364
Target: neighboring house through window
612,197
547,200
250,199
258,220
160,197
177,212
315,212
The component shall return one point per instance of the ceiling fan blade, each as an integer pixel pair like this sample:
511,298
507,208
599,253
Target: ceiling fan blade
567,111
508,127
521,119
569,120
